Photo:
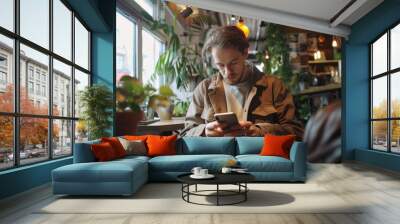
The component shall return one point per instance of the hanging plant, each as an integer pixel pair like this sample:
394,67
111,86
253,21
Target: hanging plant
277,49
180,62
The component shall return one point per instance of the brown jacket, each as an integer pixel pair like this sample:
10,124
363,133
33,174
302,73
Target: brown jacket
271,108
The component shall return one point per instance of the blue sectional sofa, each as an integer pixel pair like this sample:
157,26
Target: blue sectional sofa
125,176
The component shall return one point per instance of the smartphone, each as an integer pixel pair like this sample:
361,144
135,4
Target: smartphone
228,118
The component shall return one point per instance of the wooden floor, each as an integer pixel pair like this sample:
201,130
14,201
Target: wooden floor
378,189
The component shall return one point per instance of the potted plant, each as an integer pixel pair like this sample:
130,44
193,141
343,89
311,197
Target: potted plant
182,63
130,95
181,108
162,102
96,104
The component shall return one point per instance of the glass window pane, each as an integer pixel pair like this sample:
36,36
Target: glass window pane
81,45
6,142
33,139
62,138
379,55
6,74
81,131
35,21
125,46
379,98
62,29
62,89
395,136
7,14
395,47
395,95
379,135
81,81
151,54
34,96
147,5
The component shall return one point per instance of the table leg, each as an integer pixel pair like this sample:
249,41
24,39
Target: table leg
217,194
188,189
196,188
245,191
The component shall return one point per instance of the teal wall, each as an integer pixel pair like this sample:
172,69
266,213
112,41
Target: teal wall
356,85
99,16
24,178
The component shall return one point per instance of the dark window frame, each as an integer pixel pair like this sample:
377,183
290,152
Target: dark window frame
16,115
388,74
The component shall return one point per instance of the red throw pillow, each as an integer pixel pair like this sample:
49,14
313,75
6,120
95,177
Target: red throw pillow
116,145
277,145
161,145
103,151
136,137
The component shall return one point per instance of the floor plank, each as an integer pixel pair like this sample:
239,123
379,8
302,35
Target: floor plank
377,190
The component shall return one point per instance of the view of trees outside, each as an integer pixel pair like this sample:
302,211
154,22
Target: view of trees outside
379,128
33,117
33,138
379,110
380,59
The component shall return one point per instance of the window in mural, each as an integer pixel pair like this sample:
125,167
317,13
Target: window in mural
43,112
385,95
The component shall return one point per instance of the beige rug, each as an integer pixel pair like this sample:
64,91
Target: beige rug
166,198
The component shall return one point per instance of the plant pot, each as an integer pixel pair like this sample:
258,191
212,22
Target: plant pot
126,122
165,113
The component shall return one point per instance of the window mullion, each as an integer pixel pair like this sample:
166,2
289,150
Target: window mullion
73,81
389,94
50,81
16,84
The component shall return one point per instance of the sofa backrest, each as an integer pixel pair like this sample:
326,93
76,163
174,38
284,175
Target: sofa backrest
191,146
83,152
249,145
206,145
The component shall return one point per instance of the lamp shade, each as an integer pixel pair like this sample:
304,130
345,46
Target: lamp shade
243,27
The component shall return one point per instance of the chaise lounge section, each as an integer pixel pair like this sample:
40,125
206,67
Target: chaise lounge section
125,176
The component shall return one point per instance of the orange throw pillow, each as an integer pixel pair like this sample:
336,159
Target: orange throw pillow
136,137
116,145
277,145
103,152
161,145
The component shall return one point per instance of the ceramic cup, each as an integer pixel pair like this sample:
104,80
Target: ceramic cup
226,170
203,172
196,171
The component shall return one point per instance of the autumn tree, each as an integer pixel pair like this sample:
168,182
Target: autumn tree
380,127
33,131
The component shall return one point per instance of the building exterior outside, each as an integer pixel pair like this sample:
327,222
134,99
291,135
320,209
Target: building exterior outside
34,82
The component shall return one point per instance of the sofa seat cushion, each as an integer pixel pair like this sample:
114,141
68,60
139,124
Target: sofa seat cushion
133,158
112,171
257,163
185,163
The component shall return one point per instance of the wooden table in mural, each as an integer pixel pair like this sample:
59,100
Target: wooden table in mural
162,127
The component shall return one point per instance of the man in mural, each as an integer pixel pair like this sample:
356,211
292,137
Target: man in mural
261,102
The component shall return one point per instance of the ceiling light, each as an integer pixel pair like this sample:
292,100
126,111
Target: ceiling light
186,12
243,27
334,43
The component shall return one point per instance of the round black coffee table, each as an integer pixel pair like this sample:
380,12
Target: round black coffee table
238,179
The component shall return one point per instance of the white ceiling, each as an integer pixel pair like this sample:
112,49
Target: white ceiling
314,15
320,9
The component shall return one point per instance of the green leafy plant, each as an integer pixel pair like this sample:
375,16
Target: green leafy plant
96,103
181,108
277,49
162,102
182,63
131,94
164,98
